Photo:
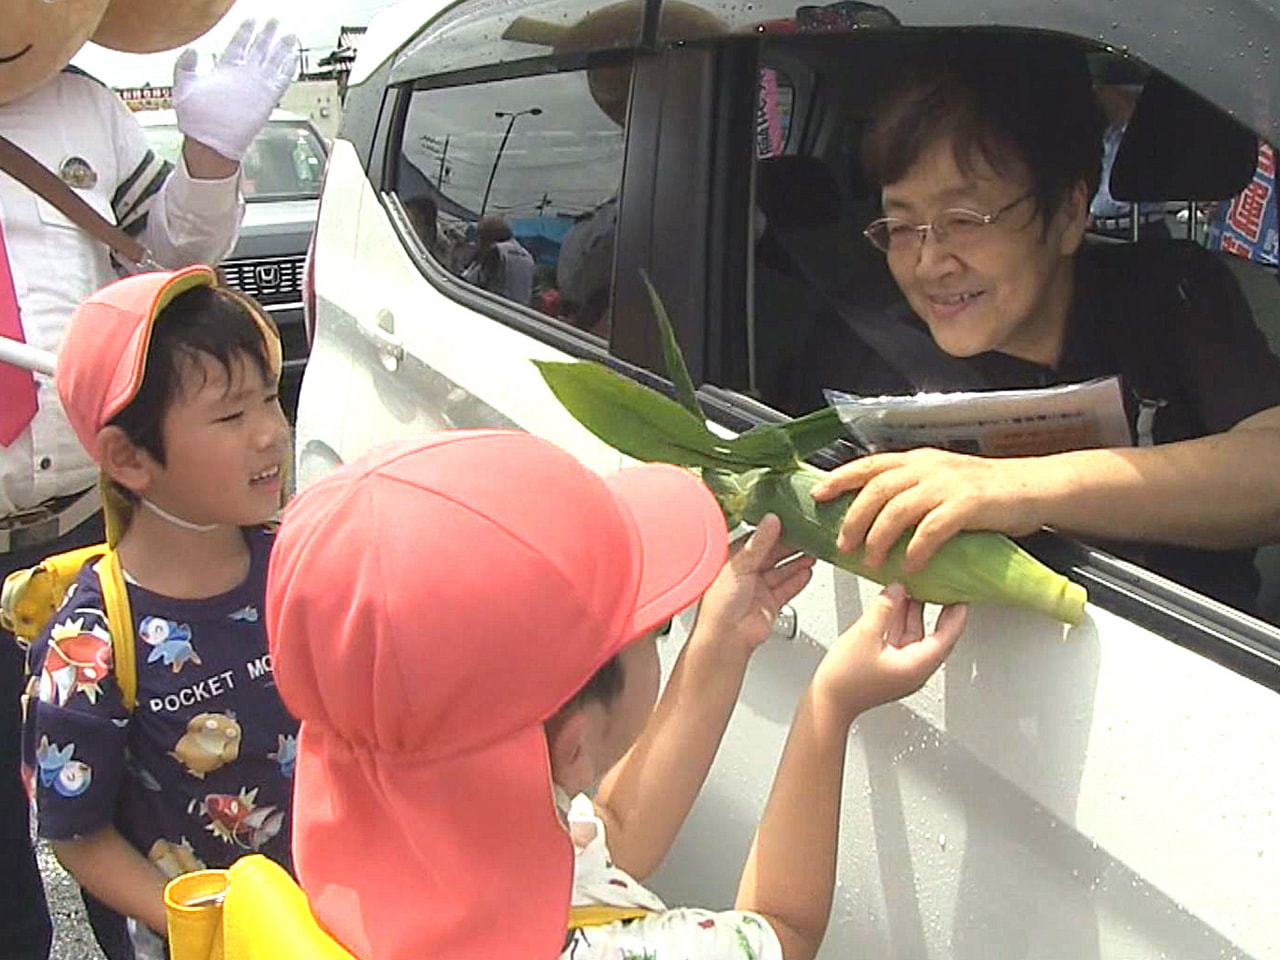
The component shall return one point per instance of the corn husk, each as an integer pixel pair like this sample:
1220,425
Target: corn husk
763,471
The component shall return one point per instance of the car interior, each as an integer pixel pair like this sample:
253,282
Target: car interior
825,311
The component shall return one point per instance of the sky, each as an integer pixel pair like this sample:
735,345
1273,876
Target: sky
316,23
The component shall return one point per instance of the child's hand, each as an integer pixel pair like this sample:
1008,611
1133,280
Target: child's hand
739,608
886,655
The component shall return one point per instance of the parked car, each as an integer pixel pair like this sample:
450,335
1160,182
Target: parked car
1107,790
282,173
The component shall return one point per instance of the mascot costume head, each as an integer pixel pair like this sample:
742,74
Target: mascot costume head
41,36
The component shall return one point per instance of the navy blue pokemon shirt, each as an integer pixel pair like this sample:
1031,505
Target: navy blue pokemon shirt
201,773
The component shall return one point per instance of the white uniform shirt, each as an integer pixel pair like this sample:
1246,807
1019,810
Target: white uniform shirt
666,934
55,264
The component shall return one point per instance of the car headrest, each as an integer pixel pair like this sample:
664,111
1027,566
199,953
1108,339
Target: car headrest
1178,146
797,192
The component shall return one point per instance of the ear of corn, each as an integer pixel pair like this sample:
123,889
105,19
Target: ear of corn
762,471
971,566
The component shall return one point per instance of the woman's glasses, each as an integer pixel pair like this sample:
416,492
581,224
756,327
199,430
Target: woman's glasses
956,227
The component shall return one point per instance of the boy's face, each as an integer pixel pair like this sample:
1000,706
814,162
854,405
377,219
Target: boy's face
225,443
604,732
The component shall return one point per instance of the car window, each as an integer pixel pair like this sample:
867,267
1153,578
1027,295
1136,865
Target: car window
773,113
826,312
512,185
285,161
165,140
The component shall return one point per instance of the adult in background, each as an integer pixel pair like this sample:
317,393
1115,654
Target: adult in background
83,133
501,264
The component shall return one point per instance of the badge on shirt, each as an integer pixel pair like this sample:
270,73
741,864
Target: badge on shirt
76,172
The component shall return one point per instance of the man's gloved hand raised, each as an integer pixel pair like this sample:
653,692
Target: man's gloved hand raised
225,108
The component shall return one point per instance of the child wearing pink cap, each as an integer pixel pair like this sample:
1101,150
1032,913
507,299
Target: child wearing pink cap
169,381
465,625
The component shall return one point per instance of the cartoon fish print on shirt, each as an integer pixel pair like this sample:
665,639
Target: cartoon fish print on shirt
75,662
286,754
170,642
60,770
212,740
248,614
238,819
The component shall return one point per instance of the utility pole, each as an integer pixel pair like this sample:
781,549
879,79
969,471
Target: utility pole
443,153
531,112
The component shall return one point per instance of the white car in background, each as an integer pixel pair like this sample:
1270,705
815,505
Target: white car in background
282,173
1105,791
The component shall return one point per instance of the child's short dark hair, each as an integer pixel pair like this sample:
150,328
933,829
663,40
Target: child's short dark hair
1028,100
605,684
208,321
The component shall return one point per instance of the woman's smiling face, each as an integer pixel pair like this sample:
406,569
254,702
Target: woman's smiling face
1006,286
39,38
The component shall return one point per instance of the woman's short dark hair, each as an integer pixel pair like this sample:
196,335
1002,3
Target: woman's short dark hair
1005,99
202,321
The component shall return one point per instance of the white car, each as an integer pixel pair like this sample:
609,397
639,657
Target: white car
1104,791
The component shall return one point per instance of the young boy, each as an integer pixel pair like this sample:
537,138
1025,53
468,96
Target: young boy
465,623
169,381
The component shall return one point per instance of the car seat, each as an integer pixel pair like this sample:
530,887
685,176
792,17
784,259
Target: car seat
1180,147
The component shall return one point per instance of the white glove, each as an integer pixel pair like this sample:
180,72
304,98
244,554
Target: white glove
225,108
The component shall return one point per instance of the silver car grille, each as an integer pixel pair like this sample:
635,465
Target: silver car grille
269,280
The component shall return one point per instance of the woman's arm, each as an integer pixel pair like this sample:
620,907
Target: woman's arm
1216,492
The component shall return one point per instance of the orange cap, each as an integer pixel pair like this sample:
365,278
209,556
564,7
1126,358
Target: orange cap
103,353
428,607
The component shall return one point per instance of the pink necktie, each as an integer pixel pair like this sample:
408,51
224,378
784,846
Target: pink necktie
17,386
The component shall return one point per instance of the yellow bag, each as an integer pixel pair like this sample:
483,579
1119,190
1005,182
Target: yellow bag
254,911
31,597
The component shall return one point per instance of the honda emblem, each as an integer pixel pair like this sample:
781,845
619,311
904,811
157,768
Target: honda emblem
267,274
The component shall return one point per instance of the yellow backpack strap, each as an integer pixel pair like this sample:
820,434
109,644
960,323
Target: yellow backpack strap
599,915
115,598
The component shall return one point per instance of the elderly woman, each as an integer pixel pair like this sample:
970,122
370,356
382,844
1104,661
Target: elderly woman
986,154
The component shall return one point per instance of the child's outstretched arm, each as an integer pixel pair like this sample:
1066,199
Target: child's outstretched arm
790,871
645,798
108,867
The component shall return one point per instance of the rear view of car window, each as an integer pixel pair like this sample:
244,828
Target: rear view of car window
284,161
512,185
773,113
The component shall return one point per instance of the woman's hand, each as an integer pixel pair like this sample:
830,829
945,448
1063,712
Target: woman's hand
886,654
939,493
762,574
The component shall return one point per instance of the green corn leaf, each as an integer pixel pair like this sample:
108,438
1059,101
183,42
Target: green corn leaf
634,419
766,445
813,431
676,369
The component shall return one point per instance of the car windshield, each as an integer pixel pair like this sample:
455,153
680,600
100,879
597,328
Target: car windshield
284,162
